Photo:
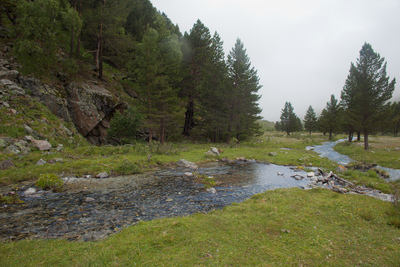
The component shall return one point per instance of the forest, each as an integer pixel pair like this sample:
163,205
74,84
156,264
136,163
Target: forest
181,85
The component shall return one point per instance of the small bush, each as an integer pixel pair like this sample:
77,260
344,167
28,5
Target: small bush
49,182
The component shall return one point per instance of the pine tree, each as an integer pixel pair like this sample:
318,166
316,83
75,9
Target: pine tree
366,92
289,120
310,120
197,57
331,117
244,108
214,94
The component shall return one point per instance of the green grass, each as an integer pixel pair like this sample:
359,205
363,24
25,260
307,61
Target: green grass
289,227
384,151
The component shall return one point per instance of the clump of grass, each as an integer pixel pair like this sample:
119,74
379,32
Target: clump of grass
11,199
207,181
49,181
128,167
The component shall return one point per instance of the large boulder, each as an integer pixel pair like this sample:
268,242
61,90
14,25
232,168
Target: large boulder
89,106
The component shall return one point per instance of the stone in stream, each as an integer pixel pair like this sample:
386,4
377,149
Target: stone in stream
187,164
102,175
30,191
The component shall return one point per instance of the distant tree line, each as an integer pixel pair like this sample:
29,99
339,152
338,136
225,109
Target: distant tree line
182,84
364,107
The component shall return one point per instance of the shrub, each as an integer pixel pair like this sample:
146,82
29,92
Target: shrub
124,127
49,182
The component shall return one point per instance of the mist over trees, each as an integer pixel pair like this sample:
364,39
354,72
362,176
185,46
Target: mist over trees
183,84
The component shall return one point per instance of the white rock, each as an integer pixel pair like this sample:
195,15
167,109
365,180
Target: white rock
102,175
89,199
212,190
188,174
40,162
187,164
310,174
30,191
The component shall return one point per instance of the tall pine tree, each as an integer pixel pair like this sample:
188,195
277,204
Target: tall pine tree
366,92
243,110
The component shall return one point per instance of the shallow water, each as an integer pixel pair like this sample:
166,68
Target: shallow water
326,150
91,209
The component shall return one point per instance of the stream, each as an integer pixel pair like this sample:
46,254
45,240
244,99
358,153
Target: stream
92,209
326,150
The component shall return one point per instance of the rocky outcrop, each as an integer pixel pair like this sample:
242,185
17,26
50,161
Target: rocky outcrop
90,107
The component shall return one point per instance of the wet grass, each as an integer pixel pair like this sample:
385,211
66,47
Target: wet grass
289,227
384,151
82,159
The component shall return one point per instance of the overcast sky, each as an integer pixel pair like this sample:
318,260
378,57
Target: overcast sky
302,50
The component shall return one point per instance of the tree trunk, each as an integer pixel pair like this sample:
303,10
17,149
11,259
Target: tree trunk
366,145
330,135
101,52
358,136
189,122
72,43
350,136
162,132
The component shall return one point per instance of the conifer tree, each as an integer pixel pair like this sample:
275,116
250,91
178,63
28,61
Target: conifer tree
331,117
366,92
310,120
244,110
197,57
289,120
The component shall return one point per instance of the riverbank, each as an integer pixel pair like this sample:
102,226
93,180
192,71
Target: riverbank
283,226
278,227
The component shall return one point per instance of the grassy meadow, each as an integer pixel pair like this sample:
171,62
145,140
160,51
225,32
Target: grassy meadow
284,227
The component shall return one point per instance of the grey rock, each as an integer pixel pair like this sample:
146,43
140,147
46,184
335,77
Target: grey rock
42,145
11,149
60,147
30,131
310,174
40,162
29,138
188,174
272,154
187,164
5,104
16,90
212,190
9,74
89,199
30,191
214,150
102,175
6,82
3,143
66,130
